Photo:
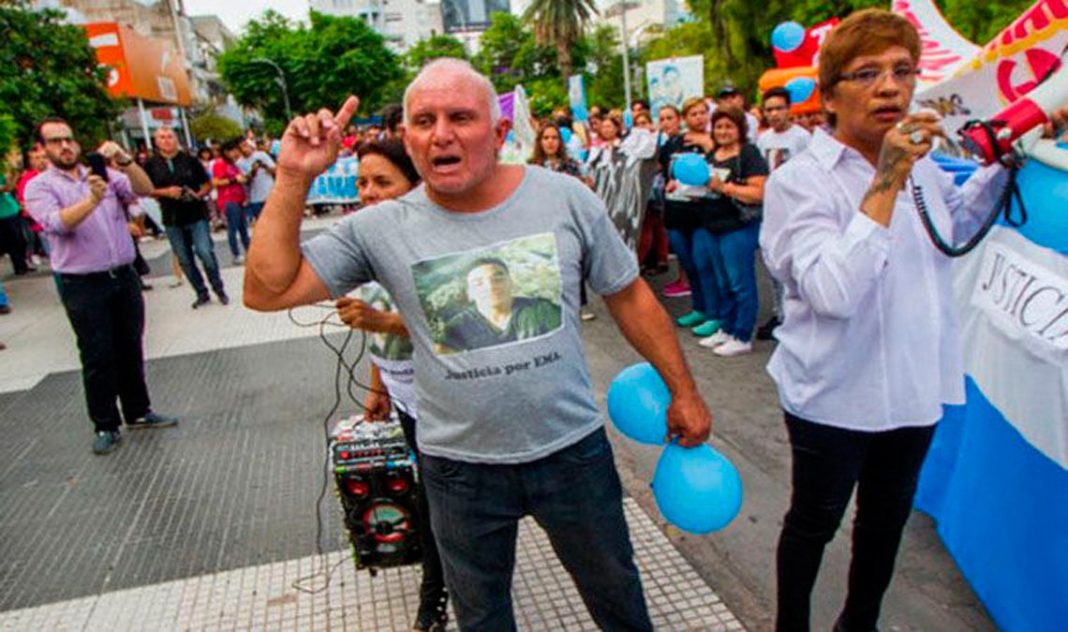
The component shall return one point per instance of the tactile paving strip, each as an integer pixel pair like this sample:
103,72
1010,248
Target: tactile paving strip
263,598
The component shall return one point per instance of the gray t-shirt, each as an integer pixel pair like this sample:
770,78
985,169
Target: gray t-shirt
261,184
491,300
778,147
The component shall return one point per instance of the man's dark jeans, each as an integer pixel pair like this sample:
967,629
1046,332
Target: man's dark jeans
827,463
574,494
196,238
107,313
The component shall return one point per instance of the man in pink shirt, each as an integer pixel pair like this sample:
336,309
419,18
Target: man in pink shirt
92,255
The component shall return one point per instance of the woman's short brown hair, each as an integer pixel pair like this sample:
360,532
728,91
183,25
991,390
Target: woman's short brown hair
867,32
691,103
736,116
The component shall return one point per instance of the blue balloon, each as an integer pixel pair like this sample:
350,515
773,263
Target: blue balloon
787,37
800,88
565,135
697,489
691,169
638,401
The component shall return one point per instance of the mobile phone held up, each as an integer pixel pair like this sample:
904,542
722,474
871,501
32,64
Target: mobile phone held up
97,164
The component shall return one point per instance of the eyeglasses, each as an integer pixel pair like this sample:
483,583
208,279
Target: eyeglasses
903,74
59,140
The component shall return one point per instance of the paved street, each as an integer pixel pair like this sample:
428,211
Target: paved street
209,525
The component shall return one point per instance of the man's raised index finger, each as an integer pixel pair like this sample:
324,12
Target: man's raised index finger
346,111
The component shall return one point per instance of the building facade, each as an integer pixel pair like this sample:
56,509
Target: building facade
401,22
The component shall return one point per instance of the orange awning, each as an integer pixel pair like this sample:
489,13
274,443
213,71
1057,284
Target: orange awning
141,67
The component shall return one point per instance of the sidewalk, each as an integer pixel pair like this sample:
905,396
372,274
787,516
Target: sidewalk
206,526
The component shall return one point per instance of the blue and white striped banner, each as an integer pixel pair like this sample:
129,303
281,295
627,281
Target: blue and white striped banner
996,479
337,185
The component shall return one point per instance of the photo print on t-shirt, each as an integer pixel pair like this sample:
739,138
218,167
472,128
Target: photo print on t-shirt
506,293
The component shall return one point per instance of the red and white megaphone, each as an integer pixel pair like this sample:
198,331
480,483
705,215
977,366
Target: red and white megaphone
988,141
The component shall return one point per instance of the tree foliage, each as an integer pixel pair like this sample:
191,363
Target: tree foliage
434,47
323,63
48,69
560,23
211,125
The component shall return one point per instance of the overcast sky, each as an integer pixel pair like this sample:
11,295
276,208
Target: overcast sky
235,13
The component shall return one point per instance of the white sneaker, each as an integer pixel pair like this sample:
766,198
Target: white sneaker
238,260
733,347
715,340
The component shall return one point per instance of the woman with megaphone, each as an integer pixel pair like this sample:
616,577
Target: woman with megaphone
869,351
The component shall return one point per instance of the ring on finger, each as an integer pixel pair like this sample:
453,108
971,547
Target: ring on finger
917,137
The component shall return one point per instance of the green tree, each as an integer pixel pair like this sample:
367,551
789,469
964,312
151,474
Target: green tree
604,66
560,23
211,125
48,69
323,63
434,47
504,48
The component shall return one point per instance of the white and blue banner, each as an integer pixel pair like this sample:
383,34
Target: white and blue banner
337,185
576,96
996,479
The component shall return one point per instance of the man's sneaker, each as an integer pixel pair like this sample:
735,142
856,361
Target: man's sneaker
706,328
714,340
692,319
106,441
676,289
767,330
733,347
238,260
587,315
153,420
223,298
5,309
201,301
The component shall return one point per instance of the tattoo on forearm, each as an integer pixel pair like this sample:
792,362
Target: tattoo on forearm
890,159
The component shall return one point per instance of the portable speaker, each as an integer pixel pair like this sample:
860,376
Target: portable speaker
376,476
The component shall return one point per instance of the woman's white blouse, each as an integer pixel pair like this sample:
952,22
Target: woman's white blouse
870,338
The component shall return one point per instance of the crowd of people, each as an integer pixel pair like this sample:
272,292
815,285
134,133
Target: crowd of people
473,278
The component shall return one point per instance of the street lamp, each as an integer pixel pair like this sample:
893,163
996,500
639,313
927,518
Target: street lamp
281,82
622,7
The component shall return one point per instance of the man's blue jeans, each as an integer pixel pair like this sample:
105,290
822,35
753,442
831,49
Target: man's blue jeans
3,296
196,238
574,494
236,224
253,210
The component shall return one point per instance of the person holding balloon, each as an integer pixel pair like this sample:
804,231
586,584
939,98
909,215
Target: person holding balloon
726,239
869,351
683,159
